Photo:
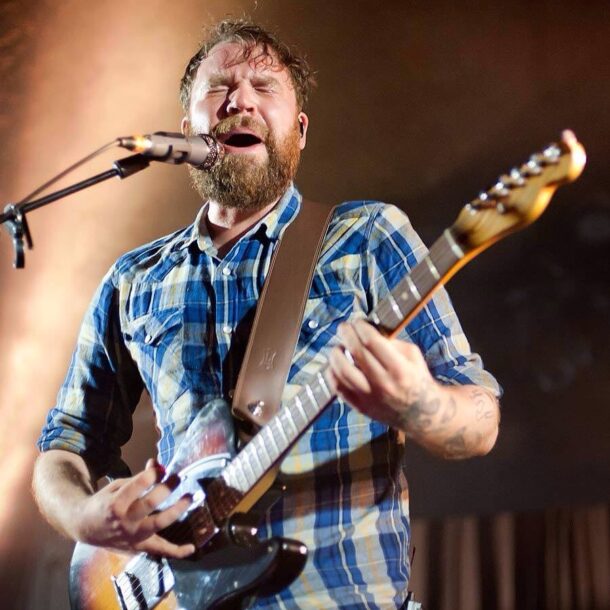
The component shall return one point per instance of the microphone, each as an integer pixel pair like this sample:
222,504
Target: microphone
202,151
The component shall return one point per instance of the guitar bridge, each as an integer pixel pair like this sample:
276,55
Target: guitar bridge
144,582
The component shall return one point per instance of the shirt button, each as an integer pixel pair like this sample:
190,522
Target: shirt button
226,271
313,324
147,339
226,329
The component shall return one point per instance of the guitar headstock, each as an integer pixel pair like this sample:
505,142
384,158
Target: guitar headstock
519,197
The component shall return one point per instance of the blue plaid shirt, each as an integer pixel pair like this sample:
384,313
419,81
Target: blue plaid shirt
173,318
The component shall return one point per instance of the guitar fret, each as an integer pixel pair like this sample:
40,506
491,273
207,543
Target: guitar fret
312,398
287,418
230,476
253,476
321,391
455,247
281,432
413,288
239,481
266,458
237,476
374,318
254,453
254,460
322,383
423,282
395,307
271,439
442,254
299,405
432,268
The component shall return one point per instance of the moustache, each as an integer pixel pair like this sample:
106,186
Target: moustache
230,123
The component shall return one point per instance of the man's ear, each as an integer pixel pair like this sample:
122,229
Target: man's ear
185,126
303,125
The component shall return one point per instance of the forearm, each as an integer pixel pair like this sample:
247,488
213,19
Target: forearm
121,515
61,482
453,421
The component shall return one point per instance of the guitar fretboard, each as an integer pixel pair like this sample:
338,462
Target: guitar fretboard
413,291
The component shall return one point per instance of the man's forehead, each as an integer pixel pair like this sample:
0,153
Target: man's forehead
226,55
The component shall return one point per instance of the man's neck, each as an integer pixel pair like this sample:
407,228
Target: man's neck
227,225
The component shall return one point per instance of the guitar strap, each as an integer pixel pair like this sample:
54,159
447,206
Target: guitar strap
279,316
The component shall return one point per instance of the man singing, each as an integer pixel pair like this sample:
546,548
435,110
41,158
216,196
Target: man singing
172,318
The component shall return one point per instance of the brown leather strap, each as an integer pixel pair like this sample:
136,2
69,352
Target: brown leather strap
279,315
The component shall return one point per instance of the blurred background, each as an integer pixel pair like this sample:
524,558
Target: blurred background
420,104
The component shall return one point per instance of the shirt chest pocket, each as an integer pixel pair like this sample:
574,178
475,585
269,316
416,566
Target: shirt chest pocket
163,342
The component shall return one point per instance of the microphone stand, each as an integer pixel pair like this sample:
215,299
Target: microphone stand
14,216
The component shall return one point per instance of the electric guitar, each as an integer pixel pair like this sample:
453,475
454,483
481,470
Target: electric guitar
232,566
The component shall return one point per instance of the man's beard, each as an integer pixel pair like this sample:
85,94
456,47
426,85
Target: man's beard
246,183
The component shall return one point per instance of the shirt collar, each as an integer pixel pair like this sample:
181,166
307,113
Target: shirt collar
271,225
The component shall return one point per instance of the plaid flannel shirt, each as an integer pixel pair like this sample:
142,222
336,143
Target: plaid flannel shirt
173,318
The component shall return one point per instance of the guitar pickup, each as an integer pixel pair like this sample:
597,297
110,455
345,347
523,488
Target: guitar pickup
144,582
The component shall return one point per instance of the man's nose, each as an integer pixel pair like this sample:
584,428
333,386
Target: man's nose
241,99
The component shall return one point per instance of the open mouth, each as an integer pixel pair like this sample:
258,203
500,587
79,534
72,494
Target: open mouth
242,140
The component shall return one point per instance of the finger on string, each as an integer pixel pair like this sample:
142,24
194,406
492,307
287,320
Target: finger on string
383,350
360,352
346,375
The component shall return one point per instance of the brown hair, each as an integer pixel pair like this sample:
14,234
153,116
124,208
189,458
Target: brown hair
250,36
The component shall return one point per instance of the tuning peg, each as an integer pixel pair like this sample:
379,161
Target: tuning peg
512,180
531,168
552,153
498,190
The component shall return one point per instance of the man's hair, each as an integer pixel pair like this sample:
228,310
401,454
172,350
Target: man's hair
251,36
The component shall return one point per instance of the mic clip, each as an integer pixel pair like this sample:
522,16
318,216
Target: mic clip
17,226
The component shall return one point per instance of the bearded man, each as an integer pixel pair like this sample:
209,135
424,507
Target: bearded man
173,317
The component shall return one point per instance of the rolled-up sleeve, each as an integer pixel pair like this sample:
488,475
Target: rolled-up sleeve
93,413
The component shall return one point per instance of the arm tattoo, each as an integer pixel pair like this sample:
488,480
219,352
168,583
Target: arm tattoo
455,446
418,416
450,411
483,407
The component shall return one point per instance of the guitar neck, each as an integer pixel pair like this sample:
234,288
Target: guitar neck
394,312
274,440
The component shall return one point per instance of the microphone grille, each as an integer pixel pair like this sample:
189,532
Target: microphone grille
216,152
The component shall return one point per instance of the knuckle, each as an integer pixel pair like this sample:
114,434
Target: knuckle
367,343
115,512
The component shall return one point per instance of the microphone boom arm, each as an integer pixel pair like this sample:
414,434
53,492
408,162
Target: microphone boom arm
14,216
